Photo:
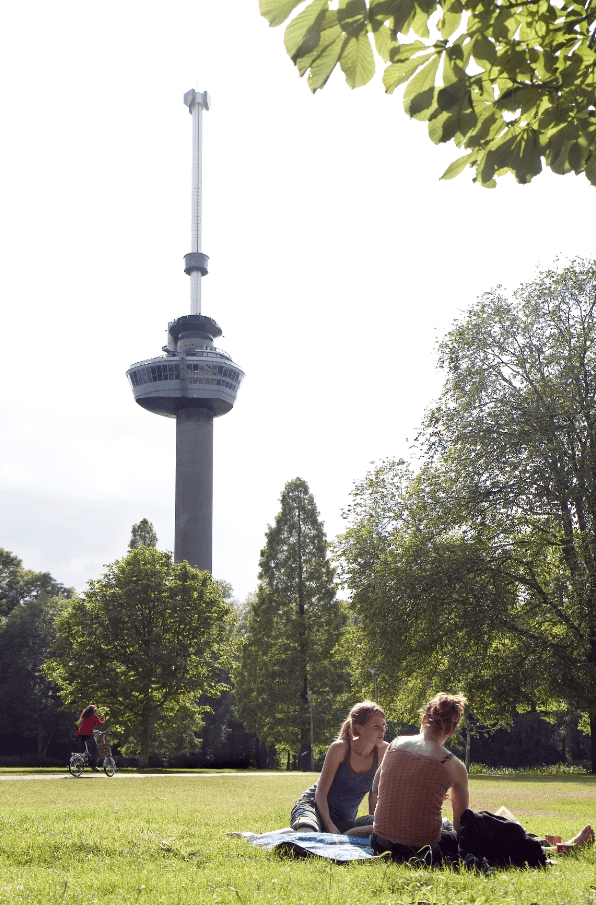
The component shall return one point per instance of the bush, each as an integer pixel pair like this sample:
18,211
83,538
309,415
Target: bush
543,770
31,760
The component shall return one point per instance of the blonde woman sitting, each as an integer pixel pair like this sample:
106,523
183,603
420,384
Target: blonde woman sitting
351,763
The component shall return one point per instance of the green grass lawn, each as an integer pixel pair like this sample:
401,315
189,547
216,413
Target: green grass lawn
136,839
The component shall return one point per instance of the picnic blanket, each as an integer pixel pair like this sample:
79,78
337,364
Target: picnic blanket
324,845
486,841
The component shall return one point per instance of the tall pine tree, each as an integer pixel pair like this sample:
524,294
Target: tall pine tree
142,535
294,625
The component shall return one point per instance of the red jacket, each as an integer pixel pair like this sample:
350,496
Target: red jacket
89,724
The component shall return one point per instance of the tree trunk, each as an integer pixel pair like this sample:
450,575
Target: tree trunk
144,753
45,747
305,728
261,754
592,713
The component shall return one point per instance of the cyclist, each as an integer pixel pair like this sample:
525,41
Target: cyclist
89,719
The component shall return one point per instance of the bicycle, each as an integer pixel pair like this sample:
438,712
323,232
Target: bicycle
78,762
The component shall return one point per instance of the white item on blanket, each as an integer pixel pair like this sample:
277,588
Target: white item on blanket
505,812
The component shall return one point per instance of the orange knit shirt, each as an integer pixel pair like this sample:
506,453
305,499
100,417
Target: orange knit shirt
411,792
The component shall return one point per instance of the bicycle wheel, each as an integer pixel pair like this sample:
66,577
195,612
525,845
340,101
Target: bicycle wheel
109,766
76,764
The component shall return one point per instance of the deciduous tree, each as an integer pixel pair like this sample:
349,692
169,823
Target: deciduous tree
19,585
29,703
30,708
489,573
512,83
143,643
293,627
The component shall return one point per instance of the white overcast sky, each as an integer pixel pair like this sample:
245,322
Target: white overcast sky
337,259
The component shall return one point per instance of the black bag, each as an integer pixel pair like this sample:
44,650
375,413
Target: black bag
502,842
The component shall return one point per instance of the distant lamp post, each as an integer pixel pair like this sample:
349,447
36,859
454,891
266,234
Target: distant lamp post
374,671
311,698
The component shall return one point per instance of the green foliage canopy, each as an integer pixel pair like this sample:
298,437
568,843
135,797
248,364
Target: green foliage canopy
143,643
293,627
29,703
427,594
512,83
486,567
18,586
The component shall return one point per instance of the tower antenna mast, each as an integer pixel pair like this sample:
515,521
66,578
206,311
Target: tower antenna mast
197,101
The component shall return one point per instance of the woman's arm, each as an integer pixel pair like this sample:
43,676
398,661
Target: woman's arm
333,758
374,792
460,796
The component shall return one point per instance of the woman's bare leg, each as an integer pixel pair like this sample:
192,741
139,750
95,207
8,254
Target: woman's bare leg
585,835
582,838
360,830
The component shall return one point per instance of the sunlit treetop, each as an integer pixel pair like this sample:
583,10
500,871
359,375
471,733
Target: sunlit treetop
512,83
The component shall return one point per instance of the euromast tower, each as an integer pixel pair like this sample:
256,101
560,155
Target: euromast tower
193,382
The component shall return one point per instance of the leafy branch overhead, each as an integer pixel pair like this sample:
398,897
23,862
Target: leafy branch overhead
512,83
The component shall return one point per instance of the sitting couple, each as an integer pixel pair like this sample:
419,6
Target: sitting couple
407,782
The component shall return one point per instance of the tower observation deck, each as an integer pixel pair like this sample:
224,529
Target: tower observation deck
193,382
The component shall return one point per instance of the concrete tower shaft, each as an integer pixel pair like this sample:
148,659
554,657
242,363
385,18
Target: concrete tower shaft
193,382
194,486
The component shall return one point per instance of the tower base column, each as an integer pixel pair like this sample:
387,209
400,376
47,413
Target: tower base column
194,487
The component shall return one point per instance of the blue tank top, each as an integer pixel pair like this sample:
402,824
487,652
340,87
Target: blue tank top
349,788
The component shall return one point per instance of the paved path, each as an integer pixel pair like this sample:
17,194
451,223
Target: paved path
87,775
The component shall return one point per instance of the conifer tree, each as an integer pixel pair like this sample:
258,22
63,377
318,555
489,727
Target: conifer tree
142,535
294,624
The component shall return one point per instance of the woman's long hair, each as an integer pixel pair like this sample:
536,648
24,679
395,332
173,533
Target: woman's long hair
358,715
88,711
